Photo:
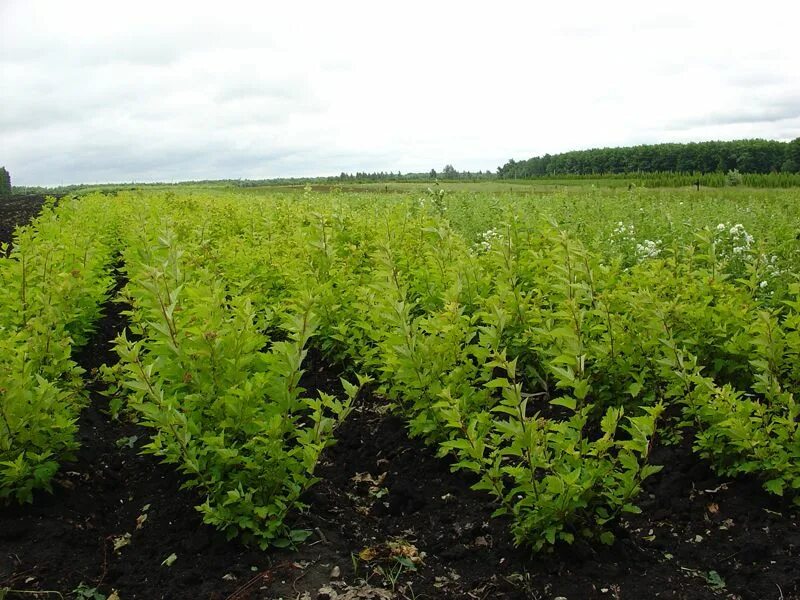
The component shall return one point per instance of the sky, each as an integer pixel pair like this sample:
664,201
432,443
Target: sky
171,91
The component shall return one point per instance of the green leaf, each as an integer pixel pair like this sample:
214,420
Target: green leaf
715,580
565,401
775,486
607,538
168,562
299,535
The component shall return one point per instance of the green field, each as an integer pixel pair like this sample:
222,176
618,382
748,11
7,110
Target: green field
543,341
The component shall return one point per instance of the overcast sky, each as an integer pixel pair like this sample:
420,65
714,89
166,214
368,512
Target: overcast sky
169,91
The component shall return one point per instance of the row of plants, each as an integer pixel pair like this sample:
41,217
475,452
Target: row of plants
53,282
218,380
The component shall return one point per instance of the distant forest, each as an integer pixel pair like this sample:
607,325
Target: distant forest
760,163
746,156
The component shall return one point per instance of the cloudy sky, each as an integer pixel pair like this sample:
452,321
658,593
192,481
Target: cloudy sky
169,91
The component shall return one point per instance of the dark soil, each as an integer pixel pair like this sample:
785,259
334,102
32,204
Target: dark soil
698,536
17,210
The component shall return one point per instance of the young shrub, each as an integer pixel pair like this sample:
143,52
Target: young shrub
225,402
551,477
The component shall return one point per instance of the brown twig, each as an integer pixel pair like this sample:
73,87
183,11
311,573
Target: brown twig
263,577
104,571
303,573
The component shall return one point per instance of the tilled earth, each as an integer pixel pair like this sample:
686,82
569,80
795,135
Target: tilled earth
118,520
17,210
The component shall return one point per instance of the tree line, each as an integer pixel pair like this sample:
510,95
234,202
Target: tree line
5,183
746,156
448,173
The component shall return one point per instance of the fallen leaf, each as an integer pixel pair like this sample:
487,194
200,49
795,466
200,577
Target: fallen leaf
121,541
720,488
366,592
392,551
169,560
370,553
368,478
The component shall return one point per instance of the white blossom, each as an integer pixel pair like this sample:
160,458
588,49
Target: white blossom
487,239
648,249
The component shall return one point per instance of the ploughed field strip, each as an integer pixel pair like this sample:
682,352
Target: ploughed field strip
233,394
17,211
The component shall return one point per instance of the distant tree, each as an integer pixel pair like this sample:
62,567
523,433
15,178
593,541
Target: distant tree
5,183
433,173
793,153
733,177
449,172
745,162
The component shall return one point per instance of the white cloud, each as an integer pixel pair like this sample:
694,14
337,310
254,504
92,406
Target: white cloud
103,91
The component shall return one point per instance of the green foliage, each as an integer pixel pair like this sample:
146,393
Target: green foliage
51,287
537,341
85,592
747,156
449,373
224,401
733,177
5,183
548,474
755,431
